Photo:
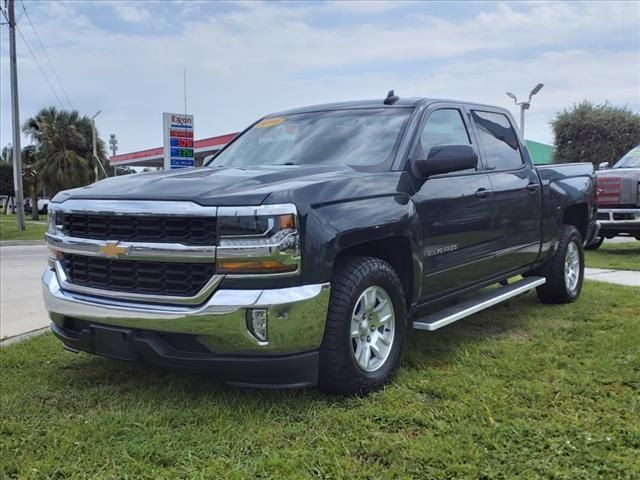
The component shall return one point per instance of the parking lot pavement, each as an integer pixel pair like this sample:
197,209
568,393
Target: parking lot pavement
619,277
21,306
619,240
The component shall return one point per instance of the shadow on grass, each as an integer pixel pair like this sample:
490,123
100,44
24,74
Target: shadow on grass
133,382
504,320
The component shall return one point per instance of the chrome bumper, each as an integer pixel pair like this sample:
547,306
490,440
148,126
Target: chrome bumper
632,217
296,316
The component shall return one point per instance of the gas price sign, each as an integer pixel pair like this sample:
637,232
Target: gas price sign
178,141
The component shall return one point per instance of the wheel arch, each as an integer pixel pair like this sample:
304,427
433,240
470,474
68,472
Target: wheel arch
397,252
577,215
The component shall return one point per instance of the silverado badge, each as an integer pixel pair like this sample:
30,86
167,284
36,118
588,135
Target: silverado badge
111,249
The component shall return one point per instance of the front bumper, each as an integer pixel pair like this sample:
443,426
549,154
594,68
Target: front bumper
168,350
619,220
296,320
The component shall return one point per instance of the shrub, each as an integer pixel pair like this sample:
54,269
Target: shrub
595,133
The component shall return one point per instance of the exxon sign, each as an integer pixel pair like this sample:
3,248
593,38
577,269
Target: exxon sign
178,141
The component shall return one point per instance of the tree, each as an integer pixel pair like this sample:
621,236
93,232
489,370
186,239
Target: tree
63,148
31,177
595,133
6,184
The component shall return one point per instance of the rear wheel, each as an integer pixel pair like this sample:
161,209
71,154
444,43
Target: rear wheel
565,270
366,327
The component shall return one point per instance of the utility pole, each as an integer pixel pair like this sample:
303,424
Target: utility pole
17,159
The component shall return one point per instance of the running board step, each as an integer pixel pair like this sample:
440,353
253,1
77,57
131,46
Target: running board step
469,307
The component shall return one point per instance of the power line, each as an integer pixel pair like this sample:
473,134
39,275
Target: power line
46,55
44,74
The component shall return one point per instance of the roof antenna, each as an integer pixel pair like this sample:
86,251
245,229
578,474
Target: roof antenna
391,98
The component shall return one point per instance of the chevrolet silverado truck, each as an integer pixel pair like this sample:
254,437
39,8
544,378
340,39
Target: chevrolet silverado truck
314,242
619,199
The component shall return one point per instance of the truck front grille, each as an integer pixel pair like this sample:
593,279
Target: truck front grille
144,277
196,230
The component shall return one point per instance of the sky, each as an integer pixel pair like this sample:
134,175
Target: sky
247,59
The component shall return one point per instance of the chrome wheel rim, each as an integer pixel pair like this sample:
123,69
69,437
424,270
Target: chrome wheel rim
372,328
572,267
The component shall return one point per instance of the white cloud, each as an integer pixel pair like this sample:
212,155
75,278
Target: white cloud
133,12
271,56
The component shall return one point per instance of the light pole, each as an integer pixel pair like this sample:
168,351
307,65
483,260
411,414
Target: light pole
113,142
525,105
95,145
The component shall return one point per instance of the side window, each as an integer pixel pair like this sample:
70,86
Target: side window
443,127
498,140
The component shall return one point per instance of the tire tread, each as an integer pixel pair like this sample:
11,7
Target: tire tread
554,291
351,274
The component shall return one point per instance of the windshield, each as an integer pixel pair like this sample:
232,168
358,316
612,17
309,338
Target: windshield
339,137
630,160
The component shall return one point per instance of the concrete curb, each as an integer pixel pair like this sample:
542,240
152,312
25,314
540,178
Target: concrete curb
629,278
23,336
20,243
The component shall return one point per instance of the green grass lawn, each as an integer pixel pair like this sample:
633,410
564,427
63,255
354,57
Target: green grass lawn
34,230
621,256
523,390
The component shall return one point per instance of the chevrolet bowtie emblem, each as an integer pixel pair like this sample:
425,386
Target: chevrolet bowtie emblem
112,249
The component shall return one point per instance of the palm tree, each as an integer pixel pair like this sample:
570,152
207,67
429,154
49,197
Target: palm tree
64,151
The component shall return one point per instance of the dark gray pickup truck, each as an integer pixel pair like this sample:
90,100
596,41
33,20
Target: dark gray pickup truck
619,198
311,245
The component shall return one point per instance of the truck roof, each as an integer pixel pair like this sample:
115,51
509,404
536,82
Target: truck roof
377,103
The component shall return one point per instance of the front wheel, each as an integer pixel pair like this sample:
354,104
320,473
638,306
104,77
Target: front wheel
565,270
366,327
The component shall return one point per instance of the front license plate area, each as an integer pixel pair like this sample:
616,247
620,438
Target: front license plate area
113,342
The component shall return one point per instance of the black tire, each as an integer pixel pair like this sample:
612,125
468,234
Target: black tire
595,244
339,370
556,290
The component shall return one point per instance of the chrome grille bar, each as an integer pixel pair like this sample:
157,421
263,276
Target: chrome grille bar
165,252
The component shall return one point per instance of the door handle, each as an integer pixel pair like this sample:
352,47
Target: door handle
482,193
532,187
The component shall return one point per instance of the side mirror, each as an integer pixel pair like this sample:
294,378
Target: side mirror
446,159
603,166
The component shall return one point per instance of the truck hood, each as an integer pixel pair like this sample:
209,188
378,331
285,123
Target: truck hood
241,186
633,173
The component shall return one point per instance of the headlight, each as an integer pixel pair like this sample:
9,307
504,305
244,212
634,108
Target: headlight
258,240
54,221
54,227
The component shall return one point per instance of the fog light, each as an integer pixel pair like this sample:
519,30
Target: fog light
257,323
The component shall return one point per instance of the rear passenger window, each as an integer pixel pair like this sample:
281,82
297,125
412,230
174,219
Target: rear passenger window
443,127
498,140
